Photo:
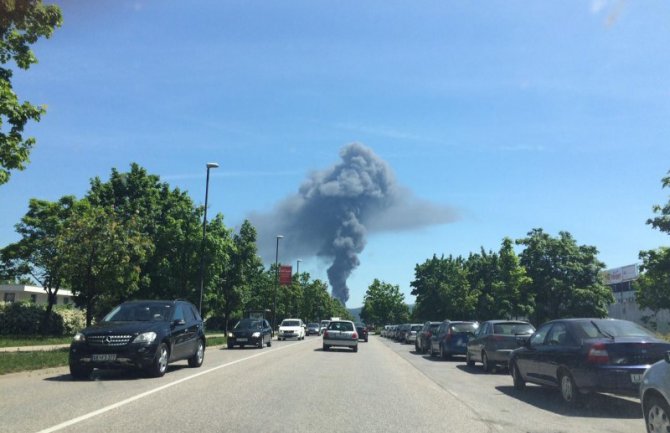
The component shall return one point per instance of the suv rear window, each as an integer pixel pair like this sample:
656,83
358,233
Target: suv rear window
464,327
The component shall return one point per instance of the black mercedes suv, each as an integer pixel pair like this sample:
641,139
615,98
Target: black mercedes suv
143,335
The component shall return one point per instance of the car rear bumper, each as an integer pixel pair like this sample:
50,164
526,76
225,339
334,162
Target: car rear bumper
610,379
340,343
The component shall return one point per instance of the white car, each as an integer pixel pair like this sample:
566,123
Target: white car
291,328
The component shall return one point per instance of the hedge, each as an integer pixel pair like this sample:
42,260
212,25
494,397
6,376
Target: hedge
24,318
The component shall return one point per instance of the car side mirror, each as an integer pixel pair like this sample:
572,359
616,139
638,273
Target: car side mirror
178,322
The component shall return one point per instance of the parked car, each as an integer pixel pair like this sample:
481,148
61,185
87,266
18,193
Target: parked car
655,396
250,332
494,342
580,356
313,328
340,333
410,335
452,338
422,343
401,332
291,328
362,331
145,335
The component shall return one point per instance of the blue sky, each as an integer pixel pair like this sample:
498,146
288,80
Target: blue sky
520,114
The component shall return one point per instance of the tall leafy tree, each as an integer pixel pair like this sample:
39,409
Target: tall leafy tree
103,256
653,290
22,23
565,277
384,303
512,289
171,222
38,254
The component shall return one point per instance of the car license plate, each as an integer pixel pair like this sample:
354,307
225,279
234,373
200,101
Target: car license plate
636,377
104,357
241,339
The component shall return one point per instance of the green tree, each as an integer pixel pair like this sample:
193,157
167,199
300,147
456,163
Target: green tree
384,303
172,223
103,256
512,290
565,277
37,255
653,289
22,23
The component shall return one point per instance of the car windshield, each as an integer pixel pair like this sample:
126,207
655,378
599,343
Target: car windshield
612,328
513,329
248,324
139,313
290,323
416,327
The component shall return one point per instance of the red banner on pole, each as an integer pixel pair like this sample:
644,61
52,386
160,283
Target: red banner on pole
285,275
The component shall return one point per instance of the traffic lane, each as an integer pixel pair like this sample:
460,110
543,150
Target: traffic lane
493,396
32,401
299,389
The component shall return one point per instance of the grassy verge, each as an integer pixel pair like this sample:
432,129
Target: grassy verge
11,362
12,341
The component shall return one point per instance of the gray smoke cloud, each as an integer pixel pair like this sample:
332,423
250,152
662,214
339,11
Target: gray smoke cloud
335,209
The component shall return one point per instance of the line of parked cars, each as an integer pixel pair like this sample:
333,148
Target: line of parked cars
576,356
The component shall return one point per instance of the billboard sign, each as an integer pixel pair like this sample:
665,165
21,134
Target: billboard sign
285,274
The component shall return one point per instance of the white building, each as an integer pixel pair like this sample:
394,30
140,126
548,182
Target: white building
21,292
625,305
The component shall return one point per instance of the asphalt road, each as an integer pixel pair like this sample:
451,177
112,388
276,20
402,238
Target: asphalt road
296,387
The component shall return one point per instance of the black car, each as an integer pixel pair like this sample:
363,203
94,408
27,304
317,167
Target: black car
362,330
143,335
250,332
313,329
580,356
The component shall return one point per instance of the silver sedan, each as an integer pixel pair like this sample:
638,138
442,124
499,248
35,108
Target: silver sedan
340,333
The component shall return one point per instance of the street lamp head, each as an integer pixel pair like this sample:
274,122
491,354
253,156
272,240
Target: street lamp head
280,236
212,165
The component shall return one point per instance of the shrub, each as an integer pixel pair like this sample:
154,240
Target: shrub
24,318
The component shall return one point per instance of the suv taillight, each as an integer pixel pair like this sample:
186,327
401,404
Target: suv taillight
354,336
598,354
325,334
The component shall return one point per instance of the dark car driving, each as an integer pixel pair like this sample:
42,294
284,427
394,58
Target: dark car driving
143,335
250,332
362,330
580,356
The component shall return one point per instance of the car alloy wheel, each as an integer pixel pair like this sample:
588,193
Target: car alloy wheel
199,356
657,415
569,390
159,366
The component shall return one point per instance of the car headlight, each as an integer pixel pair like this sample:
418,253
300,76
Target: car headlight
147,337
79,337
231,335
256,334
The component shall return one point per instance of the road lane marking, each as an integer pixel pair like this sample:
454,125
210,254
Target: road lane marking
95,413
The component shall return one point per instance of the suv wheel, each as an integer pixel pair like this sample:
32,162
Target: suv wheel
519,383
485,362
160,362
195,361
569,391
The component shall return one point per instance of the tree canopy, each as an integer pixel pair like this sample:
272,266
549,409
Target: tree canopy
22,23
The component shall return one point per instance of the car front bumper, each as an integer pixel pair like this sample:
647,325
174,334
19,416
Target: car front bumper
129,356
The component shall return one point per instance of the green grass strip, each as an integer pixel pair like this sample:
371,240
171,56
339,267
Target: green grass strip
11,362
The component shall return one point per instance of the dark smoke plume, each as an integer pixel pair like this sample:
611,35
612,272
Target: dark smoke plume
336,208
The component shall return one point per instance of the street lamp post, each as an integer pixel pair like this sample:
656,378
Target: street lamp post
204,234
297,269
274,302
